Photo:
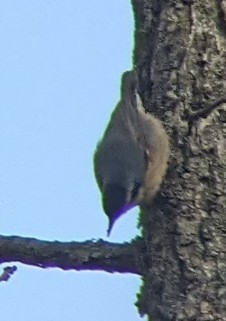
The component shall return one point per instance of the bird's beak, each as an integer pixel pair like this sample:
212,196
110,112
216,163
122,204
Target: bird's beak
110,226
116,215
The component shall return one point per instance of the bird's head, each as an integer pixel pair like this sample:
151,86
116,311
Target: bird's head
117,200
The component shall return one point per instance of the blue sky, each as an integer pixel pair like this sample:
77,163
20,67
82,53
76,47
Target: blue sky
60,65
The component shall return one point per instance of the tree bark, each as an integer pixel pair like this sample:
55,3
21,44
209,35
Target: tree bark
180,56
87,255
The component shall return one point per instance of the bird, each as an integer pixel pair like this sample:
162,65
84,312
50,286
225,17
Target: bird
130,161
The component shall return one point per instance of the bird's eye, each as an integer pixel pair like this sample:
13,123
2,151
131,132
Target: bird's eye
135,190
146,158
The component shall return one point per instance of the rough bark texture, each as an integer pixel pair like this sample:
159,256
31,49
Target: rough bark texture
88,255
180,56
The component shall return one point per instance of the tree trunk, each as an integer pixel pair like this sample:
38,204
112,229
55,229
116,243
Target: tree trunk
180,56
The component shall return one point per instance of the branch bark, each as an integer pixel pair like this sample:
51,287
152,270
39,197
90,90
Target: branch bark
207,110
88,255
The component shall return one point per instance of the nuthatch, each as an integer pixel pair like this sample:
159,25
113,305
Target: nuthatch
131,159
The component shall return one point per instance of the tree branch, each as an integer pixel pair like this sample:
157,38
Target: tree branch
88,255
7,273
206,111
